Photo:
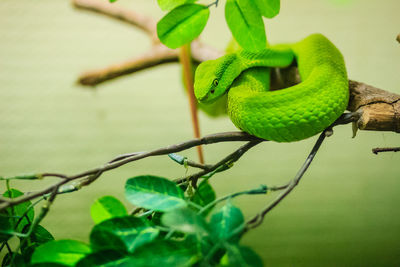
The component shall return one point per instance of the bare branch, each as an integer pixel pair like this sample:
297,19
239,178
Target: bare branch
159,54
91,175
145,23
258,219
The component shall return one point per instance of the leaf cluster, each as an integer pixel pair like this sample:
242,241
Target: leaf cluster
171,226
186,19
17,221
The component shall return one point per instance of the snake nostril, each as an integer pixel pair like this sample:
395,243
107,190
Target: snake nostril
212,91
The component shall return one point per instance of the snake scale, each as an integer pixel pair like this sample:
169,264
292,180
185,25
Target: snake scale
285,115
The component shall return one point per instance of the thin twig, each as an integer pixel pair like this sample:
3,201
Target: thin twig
385,149
231,158
145,23
258,219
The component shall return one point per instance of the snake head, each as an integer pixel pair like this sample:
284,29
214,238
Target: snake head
213,78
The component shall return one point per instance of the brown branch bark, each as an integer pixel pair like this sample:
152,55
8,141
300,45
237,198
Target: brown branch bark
378,110
158,55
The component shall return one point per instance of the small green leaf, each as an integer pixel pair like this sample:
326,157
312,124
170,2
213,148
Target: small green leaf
167,5
186,221
246,24
154,193
226,221
122,233
39,235
204,195
182,25
19,211
67,252
239,256
112,1
107,207
268,8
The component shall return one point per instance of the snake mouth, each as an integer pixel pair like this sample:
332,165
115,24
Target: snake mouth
203,98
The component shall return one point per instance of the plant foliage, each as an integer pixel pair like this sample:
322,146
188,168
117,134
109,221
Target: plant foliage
171,225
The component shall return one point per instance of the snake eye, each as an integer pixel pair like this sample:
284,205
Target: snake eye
215,82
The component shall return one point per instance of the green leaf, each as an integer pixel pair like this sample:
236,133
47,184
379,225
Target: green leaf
18,260
182,25
167,5
160,253
169,253
122,233
246,24
154,193
185,220
239,256
156,218
268,8
112,1
67,252
226,221
204,194
107,207
19,210
5,226
39,235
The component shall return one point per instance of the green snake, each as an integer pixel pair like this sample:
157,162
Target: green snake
285,115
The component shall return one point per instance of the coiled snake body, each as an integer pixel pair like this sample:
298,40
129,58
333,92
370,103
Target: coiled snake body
286,115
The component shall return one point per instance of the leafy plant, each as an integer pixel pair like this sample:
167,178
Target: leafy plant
173,223
183,237
186,21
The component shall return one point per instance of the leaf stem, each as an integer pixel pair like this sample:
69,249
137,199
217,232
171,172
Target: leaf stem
261,190
187,66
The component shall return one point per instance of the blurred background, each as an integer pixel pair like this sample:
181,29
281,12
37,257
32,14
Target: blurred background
345,211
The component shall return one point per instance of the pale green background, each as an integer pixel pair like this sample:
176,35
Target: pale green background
345,211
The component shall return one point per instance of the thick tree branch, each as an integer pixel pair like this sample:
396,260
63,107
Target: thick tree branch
378,110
